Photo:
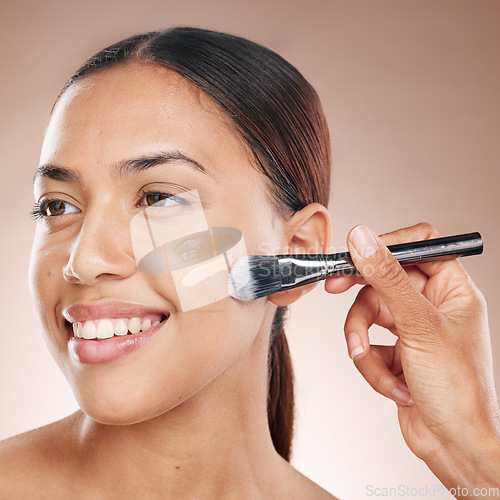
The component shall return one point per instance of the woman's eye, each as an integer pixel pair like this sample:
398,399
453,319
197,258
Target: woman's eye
52,208
157,199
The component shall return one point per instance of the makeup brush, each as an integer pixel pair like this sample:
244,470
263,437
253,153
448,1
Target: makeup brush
256,276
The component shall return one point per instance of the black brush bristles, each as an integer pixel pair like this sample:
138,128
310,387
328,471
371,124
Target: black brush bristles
254,276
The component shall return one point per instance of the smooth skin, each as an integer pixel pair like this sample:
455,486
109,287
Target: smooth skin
440,371
184,416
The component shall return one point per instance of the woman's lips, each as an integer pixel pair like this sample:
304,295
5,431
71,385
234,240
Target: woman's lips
94,351
109,320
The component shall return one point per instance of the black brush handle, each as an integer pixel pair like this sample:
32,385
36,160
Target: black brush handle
415,252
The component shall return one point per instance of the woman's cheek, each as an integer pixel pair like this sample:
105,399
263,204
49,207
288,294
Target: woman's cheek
45,276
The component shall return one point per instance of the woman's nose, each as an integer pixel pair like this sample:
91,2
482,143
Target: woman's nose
102,250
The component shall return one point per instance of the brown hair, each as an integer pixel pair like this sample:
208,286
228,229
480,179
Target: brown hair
278,114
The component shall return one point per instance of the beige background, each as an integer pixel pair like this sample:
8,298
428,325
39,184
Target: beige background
410,89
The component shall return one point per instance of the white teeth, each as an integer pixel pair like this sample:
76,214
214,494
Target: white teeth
88,331
77,330
145,324
134,325
104,329
121,327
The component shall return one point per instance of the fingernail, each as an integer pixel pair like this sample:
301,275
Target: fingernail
403,396
364,242
354,345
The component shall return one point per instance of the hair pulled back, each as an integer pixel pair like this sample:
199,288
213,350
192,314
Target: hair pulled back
279,116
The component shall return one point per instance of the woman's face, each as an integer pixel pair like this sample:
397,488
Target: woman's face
114,137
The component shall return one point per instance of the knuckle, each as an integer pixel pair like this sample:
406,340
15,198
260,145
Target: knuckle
382,384
364,294
476,297
428,229
481,299
363,298
387,270
471,295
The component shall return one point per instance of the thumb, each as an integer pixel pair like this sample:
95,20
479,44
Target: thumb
411,311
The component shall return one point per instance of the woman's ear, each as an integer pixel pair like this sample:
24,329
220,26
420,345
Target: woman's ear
307,232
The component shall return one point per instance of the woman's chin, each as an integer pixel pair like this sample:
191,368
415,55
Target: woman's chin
125,414
124,407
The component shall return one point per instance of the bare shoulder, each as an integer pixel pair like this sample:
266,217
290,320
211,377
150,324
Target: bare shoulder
300,486
33,463
309,489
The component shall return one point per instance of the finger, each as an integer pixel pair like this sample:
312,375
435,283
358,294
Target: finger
384,273
420,231
423,231
342,284
339,284
375,368
366,310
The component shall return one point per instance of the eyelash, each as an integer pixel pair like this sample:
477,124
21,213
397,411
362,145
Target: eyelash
180,201
36,212
40,208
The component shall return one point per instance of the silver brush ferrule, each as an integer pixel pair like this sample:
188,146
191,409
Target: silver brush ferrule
298,270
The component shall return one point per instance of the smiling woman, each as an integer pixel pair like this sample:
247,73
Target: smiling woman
167,157
184,132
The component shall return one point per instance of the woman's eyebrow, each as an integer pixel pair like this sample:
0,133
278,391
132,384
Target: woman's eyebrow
124,167
148,161
56,173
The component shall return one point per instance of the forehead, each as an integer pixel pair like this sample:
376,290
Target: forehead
129,108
